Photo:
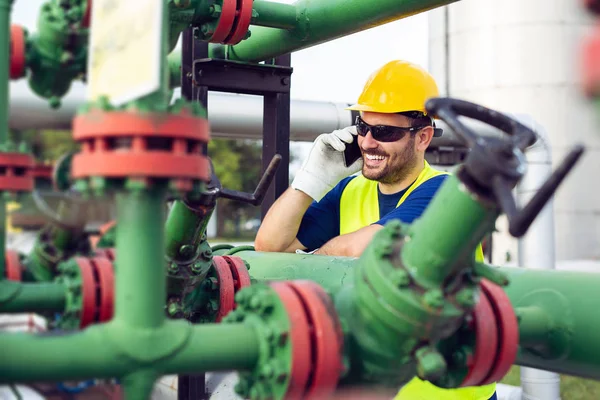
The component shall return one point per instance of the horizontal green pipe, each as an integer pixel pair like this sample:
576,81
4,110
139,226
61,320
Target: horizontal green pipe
92,353
17,297
332,273
321,21
58,356
275,15
444,239
215,347
570,301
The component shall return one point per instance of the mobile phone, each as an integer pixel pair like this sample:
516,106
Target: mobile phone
352,153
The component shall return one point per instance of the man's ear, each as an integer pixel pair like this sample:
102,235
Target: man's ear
423,138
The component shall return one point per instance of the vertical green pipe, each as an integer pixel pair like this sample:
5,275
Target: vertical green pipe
140,272
184,227
16,297
5,9
447,234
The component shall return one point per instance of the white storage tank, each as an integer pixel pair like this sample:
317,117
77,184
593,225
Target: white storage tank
524,56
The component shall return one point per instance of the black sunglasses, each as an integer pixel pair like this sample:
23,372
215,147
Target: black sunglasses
384,133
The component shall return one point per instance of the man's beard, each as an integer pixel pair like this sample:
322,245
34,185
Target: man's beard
404,163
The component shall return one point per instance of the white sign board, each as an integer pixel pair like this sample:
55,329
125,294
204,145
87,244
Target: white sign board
124,49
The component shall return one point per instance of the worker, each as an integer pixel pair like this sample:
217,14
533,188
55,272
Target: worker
331,210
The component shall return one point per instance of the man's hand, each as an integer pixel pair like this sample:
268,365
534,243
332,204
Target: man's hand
324,167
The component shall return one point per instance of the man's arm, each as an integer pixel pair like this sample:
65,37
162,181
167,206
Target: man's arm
350,244
280,226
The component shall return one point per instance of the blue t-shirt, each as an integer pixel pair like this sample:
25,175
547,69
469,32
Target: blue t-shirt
321,222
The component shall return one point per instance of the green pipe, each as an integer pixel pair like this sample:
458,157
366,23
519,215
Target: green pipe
17,297
183,230
332,273
140,273
79,355
564,338
274,15
441,242
216,347
111,350
321,21
5,10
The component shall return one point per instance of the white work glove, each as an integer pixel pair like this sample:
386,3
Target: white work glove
324,167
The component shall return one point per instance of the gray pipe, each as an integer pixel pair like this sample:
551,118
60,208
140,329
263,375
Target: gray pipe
536,249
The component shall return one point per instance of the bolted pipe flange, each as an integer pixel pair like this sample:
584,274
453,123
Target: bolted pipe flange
152,147
232,20
302,341
14,268
16,172
90,294
17,51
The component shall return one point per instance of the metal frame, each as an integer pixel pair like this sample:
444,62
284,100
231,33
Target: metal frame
271,80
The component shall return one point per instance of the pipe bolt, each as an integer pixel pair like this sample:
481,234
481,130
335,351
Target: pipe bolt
400,278
430,363
266,372
434,298
466,298
196,267
207,254
173,268
186,251
214,10
206,30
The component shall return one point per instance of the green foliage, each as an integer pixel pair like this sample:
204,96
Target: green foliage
47,145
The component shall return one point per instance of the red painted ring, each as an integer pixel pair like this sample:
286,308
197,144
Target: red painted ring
88,292
300,340
13,266
239,272
486,342
327,339
241,23
226,20
226,288
508,331
106,280
17,52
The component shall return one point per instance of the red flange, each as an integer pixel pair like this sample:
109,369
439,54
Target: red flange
98,290
17,172
108,253
89,291
239,271
241,23
13,266
591,64
106,282
300,340
87,15
486,343
226,19
508,331
226,287
17,52
326,337
41,170
121,144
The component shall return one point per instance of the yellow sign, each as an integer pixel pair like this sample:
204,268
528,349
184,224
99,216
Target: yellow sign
125,48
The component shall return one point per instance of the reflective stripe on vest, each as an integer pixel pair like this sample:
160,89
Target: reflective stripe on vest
359,207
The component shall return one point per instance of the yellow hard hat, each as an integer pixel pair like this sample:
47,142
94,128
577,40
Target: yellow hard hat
398,86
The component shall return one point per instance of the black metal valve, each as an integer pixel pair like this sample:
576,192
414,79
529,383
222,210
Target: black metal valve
214,188
497,164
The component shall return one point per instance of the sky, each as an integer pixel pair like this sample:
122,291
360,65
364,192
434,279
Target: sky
333,71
